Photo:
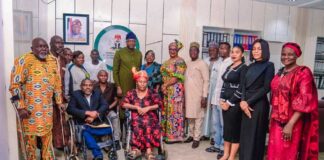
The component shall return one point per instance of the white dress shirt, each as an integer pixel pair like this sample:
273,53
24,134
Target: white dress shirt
88,99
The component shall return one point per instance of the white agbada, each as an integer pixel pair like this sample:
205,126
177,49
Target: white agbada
221,68
212,84
196,87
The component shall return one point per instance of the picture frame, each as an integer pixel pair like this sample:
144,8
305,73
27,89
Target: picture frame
76,29
23,26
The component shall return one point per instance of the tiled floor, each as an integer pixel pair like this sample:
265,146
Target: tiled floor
185,152
176,152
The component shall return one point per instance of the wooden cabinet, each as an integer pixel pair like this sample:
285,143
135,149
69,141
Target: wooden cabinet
270,22
231,13
245,14
279,23
258,10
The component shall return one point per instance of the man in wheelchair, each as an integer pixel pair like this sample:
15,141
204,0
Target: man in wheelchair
145,126
88,108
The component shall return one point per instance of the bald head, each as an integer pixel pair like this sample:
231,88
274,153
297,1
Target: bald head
54,38
39,48
36,40
57,45
102,76
103,72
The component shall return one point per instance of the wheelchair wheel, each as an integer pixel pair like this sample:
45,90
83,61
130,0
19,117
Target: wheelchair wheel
162,156
84,149
71,153
73,158
160,152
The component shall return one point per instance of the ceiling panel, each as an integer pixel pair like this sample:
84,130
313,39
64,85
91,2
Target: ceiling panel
317,4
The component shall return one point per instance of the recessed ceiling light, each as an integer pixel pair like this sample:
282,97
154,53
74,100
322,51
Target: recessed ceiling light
291,0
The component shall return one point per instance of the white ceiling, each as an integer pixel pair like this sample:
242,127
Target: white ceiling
317,4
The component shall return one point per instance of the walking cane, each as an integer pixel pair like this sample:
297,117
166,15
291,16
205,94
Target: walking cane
67,153
22,135
65,149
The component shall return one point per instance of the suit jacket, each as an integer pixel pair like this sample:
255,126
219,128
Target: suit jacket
78,105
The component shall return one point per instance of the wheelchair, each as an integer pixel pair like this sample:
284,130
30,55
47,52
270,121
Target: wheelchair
77,145
161,153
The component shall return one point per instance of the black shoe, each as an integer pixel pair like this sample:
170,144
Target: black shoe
220,154
124,146
39,143
204,138
172,142
212,149
212,141
195,144
188,140
117,145
98,158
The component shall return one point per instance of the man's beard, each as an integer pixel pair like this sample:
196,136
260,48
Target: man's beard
42,56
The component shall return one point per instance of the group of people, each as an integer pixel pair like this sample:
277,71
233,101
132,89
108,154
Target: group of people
46,82
220,97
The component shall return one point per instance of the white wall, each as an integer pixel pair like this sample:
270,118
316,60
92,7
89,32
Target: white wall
39,22
313,28
158,22
4,145
155,22
8,146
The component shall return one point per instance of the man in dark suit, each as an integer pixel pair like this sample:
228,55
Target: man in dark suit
89,108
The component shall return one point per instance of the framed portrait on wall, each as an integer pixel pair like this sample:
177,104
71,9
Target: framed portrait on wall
23,26
76,29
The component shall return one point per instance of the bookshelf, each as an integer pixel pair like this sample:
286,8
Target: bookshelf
245,38
319,63
214,34
231,35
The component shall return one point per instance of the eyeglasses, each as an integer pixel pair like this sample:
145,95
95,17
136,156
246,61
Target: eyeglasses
171,49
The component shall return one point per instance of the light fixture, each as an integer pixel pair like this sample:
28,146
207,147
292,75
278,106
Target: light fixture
291,0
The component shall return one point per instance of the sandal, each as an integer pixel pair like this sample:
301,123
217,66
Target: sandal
133,154
150,156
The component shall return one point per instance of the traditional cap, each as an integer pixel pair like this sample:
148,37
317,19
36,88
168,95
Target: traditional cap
213,44
293,46
130,35
194,44
177,44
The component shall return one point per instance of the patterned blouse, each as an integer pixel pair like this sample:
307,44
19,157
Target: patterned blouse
153,71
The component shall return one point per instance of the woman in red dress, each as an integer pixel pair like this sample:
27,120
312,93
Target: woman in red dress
145,123
294,118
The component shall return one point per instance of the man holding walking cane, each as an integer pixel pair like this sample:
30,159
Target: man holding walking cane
35,80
